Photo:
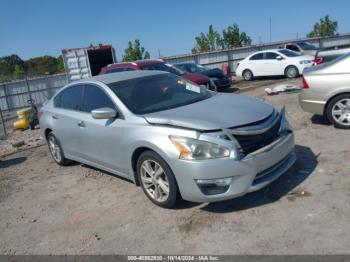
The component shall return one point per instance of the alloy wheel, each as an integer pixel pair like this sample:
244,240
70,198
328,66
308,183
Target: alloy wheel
154,180
292,72
55,149
341,112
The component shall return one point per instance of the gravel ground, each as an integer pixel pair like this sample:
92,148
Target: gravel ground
48,209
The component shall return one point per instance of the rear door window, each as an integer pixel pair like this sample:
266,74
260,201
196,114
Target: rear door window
94,97
258,56
69,98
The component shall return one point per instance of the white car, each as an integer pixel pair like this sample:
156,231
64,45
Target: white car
273,63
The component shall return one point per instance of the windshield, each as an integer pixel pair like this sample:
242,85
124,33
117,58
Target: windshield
307,46
289,53
157,93
164,67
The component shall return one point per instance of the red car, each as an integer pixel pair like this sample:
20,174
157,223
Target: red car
160,65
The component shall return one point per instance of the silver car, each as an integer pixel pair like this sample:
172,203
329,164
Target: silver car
172,137
326,91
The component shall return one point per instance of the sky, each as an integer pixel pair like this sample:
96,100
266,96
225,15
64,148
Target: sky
44,27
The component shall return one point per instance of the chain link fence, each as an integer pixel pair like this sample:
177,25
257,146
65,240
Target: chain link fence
15,95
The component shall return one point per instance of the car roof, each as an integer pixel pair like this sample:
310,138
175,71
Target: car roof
136,63
121,76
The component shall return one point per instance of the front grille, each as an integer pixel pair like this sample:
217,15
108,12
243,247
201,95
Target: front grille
251,143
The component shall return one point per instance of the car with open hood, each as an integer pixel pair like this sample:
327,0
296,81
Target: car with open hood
172,137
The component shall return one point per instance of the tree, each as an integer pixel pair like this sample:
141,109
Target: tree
207,42
42,65
19,72
7,66
232,37
135,51
60,64
325,27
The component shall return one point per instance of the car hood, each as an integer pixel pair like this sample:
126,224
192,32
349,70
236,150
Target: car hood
196,78
217,112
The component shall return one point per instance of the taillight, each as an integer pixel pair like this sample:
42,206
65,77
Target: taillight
318,60
305,84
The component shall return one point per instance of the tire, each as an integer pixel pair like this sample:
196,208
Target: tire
248,75
153,184
56,150
291,72
338,111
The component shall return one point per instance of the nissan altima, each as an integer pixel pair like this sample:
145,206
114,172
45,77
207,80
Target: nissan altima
175,139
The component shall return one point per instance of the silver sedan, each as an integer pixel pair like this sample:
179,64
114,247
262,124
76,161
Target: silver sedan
326,91
173,138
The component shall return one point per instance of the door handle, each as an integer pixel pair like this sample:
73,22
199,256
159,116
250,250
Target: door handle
81,124
54,117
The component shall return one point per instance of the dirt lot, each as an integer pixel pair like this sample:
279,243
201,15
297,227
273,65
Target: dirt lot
47,209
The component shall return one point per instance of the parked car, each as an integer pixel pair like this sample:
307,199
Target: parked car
328,54
304,48
273,63
158,64
216,75
169,135
326,91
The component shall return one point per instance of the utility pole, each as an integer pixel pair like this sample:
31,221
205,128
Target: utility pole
270,29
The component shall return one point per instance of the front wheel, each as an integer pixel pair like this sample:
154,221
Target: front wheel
56,150
248,75
338,111
157,180
291,72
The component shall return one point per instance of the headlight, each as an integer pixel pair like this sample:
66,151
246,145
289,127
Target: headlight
304,62
193,149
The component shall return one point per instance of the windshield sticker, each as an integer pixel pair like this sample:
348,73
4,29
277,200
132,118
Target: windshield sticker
193,88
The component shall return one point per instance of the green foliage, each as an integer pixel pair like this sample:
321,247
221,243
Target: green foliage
60,64
325,27
207,42
135,51
7,66
13,67
231,37
19,72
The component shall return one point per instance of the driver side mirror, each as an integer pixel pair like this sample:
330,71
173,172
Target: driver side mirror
279,57
104,113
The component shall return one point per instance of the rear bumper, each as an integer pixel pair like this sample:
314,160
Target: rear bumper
311,104
249,174
223,83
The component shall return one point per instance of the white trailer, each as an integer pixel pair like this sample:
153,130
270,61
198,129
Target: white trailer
86,62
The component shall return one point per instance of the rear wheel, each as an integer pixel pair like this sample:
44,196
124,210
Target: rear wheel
248,75
56,150
157,180
291,72
338,111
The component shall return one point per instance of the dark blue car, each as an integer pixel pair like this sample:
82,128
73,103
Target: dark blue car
216,75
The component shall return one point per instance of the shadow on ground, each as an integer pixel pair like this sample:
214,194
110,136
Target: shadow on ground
320,120
12,161
303,167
